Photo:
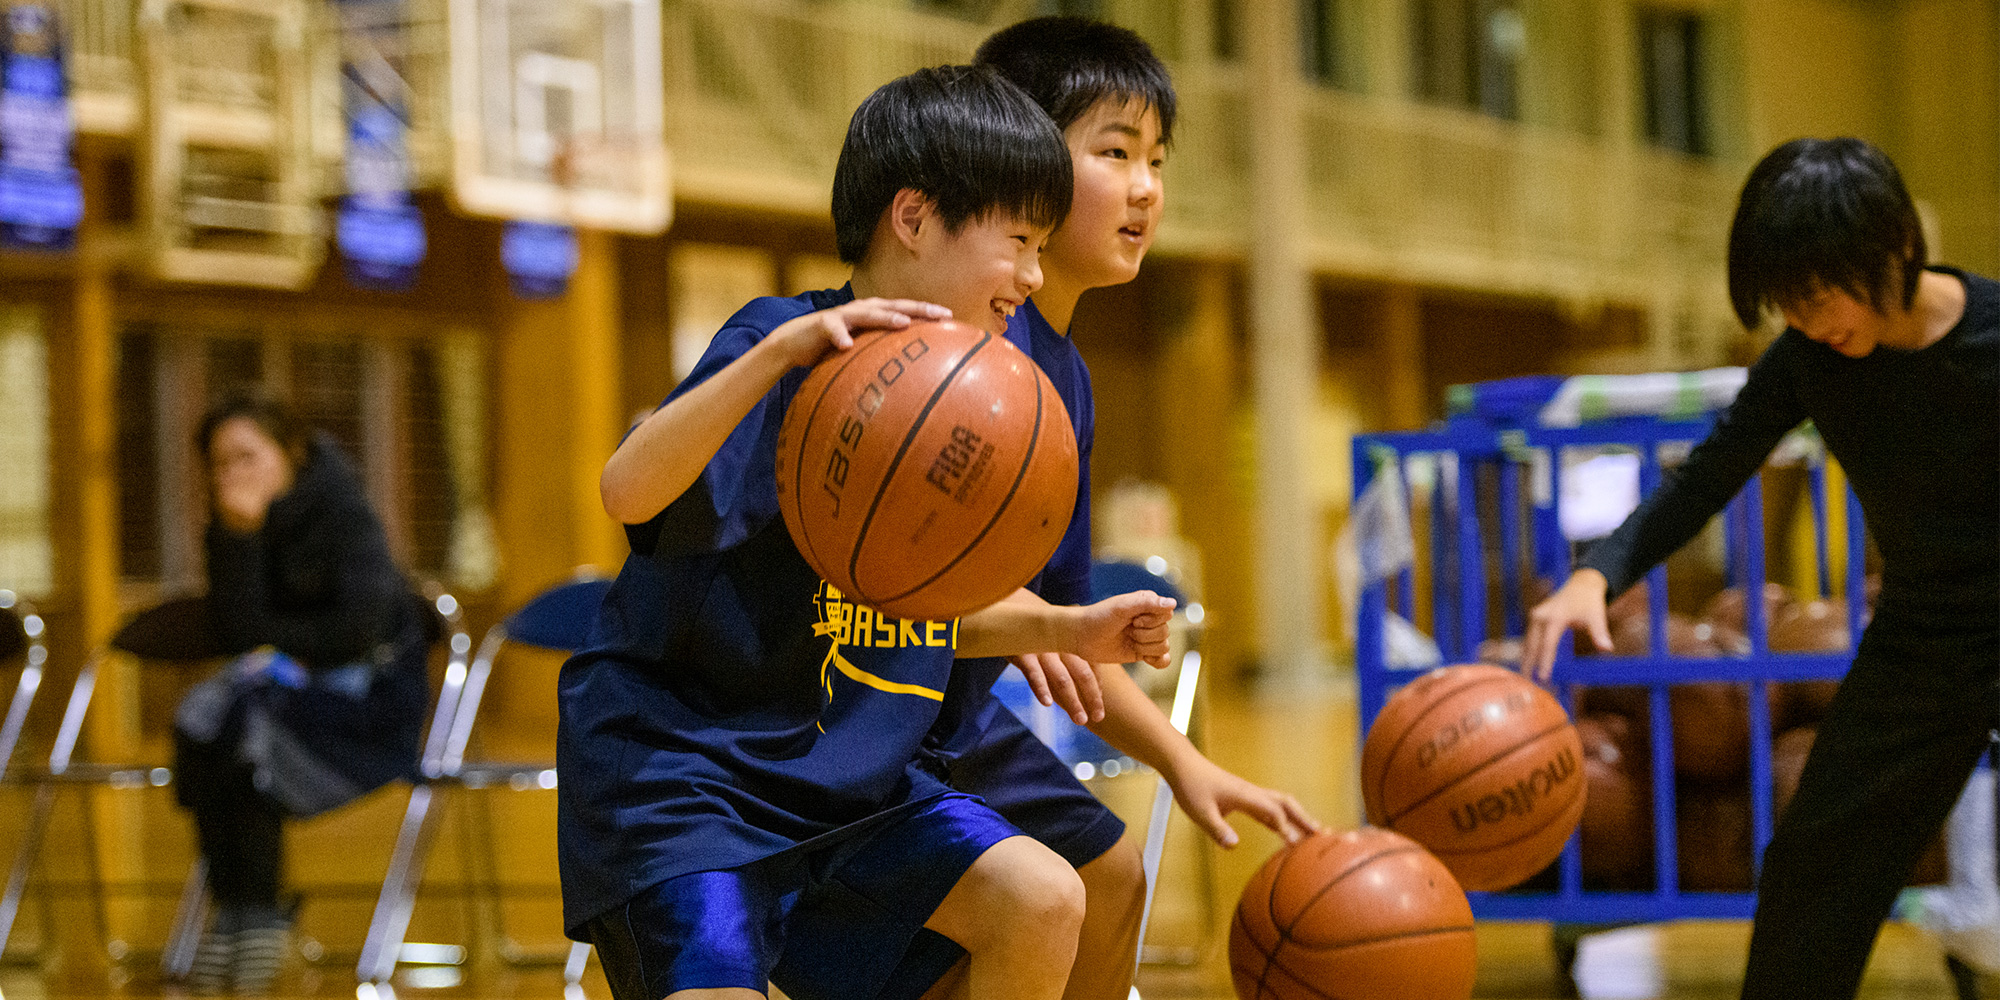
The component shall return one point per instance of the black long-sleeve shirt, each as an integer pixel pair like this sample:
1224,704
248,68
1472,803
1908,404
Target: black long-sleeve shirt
1918,434
317,581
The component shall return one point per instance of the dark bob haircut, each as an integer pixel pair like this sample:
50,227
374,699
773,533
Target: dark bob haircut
963,136
1823,213
272,417
1068,64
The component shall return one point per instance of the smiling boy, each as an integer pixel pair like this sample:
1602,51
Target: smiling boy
714,780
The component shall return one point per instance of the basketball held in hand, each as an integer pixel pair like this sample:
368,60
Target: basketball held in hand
927,472
1479,765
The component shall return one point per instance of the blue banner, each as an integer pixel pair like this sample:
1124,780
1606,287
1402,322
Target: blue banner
41,195
539,256
378,228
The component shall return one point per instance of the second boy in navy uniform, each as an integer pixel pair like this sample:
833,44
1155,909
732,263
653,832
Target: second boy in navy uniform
718,775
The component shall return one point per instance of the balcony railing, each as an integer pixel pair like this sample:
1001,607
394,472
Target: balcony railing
759,93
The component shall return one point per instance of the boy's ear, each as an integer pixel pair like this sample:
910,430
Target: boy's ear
909,212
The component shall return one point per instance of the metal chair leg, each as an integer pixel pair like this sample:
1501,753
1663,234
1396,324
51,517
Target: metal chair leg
190,916
24,861
94,866
383,946
579,956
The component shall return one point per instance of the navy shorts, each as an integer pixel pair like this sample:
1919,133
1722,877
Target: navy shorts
737,927
1028,785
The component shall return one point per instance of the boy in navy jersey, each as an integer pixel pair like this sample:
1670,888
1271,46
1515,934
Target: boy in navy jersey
1112,98
718,775
1898,367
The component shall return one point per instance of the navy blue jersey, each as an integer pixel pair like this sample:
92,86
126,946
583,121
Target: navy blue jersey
731,705
1065,579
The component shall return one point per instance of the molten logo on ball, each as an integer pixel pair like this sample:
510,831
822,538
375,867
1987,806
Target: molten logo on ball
1520,798
1479,765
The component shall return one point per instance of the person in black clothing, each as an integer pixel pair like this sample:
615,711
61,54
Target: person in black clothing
325,698
1898,366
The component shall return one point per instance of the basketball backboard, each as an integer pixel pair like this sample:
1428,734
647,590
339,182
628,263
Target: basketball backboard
556,107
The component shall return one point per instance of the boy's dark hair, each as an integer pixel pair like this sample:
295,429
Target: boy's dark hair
1068,64
1823,213
272,417
965,137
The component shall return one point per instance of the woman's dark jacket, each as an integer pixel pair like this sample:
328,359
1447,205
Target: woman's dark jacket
317,582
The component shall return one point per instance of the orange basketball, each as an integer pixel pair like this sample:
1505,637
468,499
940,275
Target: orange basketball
927,472
1362,915
1479,765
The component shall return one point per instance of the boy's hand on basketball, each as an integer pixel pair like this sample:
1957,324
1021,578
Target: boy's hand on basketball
1127,628
807,339
1579,603
1208,793
1065,680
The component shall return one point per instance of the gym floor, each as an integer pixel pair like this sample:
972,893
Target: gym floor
1301,741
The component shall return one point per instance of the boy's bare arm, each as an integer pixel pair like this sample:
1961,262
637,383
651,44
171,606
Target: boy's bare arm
1131,722
664,455
1118,629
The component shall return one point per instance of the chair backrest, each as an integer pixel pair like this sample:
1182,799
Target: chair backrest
21,635
180,630
558,619
177,630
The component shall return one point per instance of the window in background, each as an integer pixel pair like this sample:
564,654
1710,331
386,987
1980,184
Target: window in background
707,283
1672,61
1225,30
1322,52
26,560
388,401
1468,53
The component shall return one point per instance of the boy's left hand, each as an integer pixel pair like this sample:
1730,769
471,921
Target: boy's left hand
1207,793
1124,629
1060,679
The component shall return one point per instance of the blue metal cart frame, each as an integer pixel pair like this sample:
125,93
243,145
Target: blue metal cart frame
1460,605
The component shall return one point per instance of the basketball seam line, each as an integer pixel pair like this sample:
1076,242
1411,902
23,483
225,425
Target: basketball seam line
1269,956
1336,946
1437,702
1285,930
1008,501
1483,765
889,474
1302,982
798,470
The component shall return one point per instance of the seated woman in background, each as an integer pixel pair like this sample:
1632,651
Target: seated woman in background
326,696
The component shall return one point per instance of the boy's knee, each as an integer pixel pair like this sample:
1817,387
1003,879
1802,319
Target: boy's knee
1022,889
1049,893
1115,881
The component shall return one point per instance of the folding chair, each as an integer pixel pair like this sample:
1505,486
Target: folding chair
21,636
1091,757
180,631
557,619
176,631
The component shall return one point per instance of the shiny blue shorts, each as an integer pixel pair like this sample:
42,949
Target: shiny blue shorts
734,928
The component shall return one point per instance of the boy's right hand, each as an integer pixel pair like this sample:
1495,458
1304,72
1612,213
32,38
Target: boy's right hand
1128,628
1579,603
806,339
